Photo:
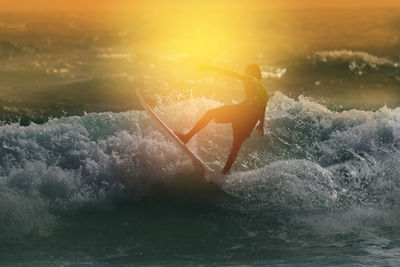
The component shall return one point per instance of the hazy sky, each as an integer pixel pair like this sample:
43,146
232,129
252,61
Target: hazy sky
126,5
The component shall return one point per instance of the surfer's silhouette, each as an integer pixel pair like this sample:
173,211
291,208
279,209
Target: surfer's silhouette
243,116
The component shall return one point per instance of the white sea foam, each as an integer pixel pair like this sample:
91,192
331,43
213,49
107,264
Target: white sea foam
124,56
272,72
371,60
357,60
311,158
289,184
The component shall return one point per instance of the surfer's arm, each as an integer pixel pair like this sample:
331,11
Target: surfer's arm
229,73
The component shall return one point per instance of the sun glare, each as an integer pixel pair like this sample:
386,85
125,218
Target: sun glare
199,34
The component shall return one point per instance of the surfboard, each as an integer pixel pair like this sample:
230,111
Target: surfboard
208,173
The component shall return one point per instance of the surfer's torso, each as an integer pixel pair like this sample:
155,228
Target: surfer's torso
255,92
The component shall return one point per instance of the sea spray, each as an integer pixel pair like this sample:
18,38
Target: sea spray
311,159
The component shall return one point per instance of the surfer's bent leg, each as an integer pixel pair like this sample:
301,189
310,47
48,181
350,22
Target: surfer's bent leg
232,155
209,116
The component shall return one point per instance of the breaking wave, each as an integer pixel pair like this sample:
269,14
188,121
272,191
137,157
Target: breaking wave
311,159
357,60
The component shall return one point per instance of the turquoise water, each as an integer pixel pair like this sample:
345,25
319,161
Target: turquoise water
87,178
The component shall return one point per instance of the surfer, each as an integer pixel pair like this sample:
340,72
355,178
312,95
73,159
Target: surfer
243,116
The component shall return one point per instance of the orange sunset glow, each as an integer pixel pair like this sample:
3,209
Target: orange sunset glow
126,5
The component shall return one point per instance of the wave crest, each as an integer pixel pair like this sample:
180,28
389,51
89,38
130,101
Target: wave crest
311,158
357,60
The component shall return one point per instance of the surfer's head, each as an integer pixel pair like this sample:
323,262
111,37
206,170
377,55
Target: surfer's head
253,70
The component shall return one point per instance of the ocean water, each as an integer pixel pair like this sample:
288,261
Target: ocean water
87,178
